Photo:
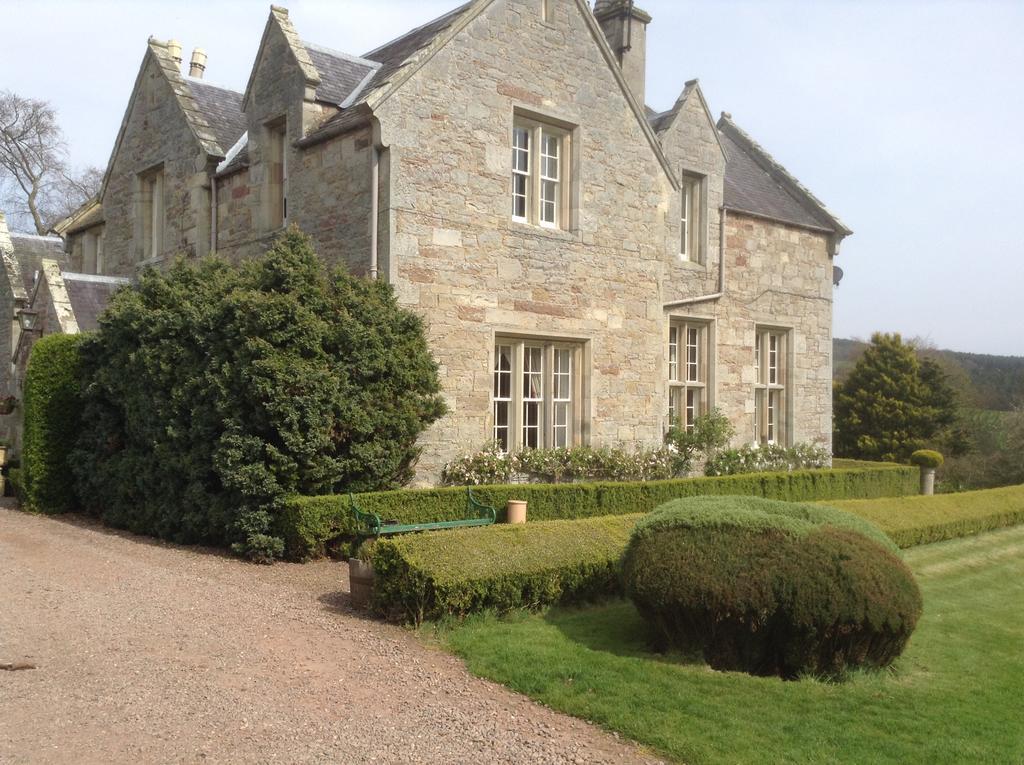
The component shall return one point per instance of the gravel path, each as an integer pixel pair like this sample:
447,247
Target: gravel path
147,652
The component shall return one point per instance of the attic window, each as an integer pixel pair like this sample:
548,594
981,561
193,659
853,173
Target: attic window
691,219
151,213
277,175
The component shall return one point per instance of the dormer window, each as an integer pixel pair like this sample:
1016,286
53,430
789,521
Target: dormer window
277,175
540,174
691,222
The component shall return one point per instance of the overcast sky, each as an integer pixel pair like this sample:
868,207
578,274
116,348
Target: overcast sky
904,117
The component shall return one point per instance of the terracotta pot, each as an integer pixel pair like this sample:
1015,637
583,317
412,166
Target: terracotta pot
360,580
516,511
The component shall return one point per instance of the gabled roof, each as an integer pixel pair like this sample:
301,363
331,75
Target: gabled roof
661,123
89,295
402,57
209,110
389,59
756,184
88,215
279,18
341,75
222,109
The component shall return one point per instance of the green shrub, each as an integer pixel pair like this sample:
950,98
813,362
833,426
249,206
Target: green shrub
710,434
53,410
307,523
917,520
491,466
436,574
769,458
216,390
926,458
770,588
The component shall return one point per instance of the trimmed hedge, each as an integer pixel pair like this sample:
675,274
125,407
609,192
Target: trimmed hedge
451,573
307,523
912,521
771,588
53,422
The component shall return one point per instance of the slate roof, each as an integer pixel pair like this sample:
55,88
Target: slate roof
391,57
222,108
89,295
340,73
30,250
755,183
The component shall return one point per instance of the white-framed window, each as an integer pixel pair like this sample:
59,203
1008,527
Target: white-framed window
688,354
152,213
540,173
691,220
770,386
536,394
277,174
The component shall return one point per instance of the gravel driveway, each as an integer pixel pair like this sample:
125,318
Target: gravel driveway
147,652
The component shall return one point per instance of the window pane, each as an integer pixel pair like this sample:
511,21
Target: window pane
675,406
673,354
501,427
758,414
693,407
551,147
561,396
533,395
773,412
502,394
757,357
684,247
773,359
520,172
692,354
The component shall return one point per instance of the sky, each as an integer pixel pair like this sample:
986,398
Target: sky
904,116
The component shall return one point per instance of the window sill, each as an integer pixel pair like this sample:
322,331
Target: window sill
546,232
691,265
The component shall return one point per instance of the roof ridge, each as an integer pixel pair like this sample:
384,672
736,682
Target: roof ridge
421,27
38,237
342,54
200,81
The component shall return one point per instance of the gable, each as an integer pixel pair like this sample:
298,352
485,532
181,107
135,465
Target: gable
278,31
689,120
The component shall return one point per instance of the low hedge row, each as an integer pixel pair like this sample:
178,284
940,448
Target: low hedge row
911,521
450,573
307,523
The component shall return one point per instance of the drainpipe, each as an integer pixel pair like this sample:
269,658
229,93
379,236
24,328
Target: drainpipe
722,217
213,214
374,209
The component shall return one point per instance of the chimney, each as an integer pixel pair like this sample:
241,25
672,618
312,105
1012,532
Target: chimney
625,27
197,66
174,51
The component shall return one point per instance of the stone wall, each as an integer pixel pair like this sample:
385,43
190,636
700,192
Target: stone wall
459,259
155,132
328,183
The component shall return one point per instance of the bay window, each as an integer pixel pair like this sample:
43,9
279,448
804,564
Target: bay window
536,394
688,343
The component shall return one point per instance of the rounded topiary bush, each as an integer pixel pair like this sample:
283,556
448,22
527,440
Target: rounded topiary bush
926,458
771,588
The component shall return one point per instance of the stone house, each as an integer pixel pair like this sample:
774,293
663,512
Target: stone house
590,269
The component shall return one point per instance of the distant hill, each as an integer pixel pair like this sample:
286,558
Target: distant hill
987,382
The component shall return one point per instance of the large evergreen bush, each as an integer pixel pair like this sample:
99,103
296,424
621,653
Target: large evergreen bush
52,423
215,390
771,588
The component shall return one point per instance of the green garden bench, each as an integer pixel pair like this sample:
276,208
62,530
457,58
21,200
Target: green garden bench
370,524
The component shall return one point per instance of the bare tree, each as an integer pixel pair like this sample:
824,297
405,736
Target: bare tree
36,180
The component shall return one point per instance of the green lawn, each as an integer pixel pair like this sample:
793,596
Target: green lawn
954,697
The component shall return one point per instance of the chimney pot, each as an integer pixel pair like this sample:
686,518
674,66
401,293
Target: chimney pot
197,65
174,51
